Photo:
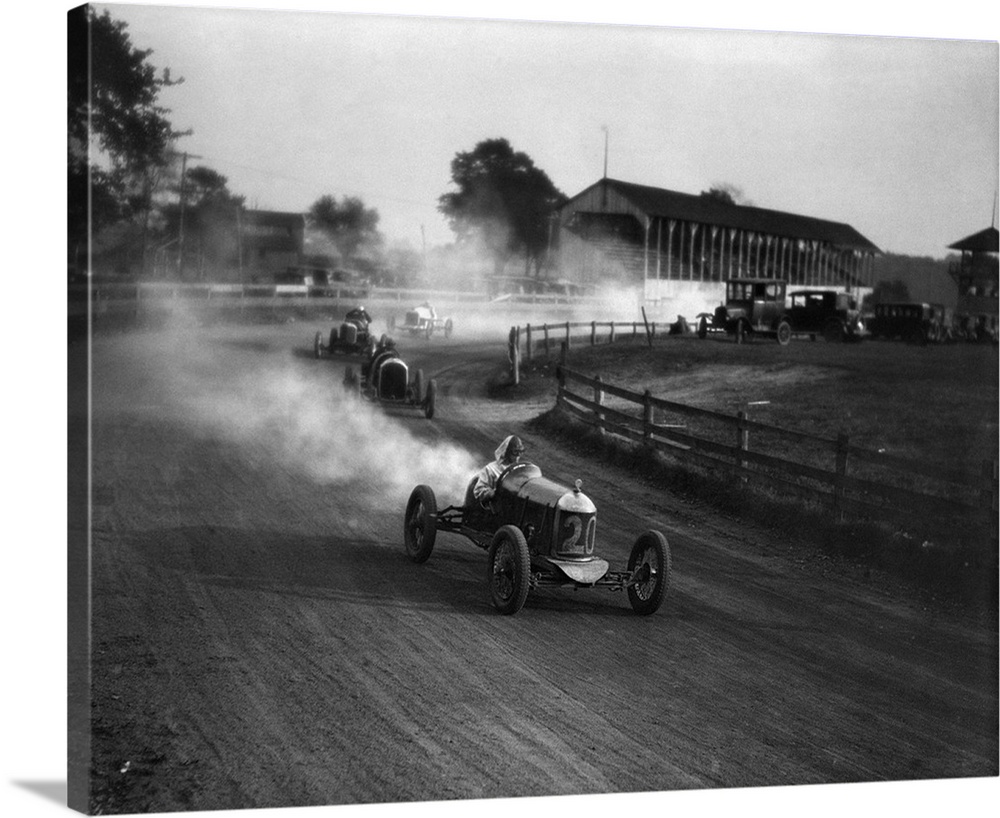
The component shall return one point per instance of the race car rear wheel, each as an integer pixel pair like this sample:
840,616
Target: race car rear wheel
650,563
420,524
429,400
508,570
318,344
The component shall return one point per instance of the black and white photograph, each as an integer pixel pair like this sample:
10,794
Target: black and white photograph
507,408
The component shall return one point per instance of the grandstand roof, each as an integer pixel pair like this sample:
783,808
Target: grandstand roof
659,202
985,241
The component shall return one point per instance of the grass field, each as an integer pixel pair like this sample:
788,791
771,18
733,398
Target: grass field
935,404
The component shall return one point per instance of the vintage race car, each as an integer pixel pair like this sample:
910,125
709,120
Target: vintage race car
386,378
424,320
352,336
538,534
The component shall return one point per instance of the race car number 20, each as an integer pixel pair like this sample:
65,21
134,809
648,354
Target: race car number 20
578,535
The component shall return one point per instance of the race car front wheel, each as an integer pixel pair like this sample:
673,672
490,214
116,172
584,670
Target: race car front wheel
649,564
420,524
508,570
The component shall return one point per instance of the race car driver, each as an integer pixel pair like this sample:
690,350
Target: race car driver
507,454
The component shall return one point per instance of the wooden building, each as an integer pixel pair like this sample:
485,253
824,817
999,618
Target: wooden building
976,277
680,248
269,242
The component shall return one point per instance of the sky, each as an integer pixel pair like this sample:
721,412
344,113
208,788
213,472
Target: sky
896,136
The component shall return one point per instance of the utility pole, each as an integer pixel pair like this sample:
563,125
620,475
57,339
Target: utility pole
605,129
180,232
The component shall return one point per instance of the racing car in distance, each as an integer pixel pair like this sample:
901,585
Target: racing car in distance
538,534
385,377
351,336
424,320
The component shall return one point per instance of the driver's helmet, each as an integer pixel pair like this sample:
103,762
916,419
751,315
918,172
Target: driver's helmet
515,448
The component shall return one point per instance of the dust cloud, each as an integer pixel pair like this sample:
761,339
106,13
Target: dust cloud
258,395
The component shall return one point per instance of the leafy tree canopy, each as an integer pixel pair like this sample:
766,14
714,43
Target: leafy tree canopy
207,188
885,292
113,110
348,223
503,199
727,192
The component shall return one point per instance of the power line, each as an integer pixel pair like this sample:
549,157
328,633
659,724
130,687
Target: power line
290,178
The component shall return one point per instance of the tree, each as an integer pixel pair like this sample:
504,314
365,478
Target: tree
727,192
211,215
119,137
885,292
348,224
503,200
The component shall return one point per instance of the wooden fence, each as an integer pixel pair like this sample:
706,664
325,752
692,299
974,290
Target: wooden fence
851,481
541,339
110,297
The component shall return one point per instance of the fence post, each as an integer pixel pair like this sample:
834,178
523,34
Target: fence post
514,354
567,335
635,329
593,333
611,337
599,400
647,417
545,331
563,348
561,390
742,439
843,441
527,342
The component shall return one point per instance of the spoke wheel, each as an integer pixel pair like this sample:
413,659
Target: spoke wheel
650,563
508,570
784,333
420,524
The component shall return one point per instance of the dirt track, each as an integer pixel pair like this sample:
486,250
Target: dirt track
260,638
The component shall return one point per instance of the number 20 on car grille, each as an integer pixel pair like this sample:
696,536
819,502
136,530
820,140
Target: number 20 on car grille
575,534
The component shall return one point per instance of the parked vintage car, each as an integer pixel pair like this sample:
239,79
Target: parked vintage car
913,322
754,306
385,378
833,314
352,336
424,320
538,534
